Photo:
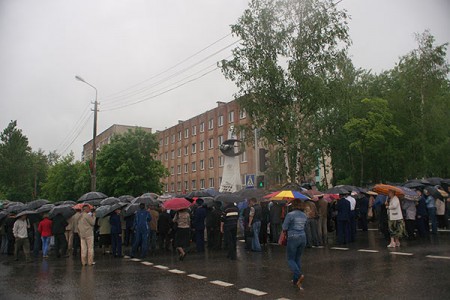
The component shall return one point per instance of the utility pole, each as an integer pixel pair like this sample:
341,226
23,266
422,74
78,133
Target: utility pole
94,137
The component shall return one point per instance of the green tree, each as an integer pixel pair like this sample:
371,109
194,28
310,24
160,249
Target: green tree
371,134
40,165
67,179
127,165
16,164
289,51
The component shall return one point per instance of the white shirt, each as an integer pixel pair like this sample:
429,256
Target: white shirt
20,229
352,202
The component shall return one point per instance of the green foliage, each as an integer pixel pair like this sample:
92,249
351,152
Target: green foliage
67,179
16,164
289,51
127,165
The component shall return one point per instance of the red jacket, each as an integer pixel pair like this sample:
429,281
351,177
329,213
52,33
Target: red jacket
45,227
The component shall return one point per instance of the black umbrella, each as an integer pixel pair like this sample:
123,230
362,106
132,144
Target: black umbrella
16,208
26,213
147,200
66,210
67,202
337,190
414,185
3,215
434,180
45,208
94,202
92,196
228,198
126,198
36,204
200,194
110,201
130,209
153,195
434,192
103,211
251,193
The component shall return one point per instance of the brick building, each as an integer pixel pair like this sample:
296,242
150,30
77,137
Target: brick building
190,149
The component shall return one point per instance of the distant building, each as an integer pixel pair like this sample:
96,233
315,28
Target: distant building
104,138
190,149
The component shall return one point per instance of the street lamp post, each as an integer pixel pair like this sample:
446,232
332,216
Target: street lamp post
94,136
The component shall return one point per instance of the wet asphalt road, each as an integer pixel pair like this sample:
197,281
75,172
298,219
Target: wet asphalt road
365,269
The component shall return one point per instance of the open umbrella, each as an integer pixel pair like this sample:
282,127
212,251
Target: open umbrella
201,193
110,201
434,180
153,195
94,202
104,210
80,206
36,204
286,195
25,213
177,204
45,208
251,193
434,192
147,200
126,198
409,193
385,188
92,196
337,190
229,198
66,210
16,208
130,209
3,215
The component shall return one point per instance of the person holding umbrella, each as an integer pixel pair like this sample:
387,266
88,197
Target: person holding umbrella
396,225
228,227
20,231
431,208
45,229
182,234
116,233
142,219
59,225
86,224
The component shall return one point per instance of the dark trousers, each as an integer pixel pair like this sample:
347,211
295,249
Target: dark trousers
76,243
422,226
363,223
60,244
343,231
200,240
263,233
11,242
129,234
230,238
37,244
352,226
275,230
22,243
214,238
116,244
410,227
140,239
164,240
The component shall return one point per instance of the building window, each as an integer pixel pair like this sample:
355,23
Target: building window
242,134
202,127
211,182
194,130
231,117
186,133
220,140
186,186
242,114
179,186
194,167
166,188
186,150
244,156
160,142
179,135
202,164
172,154
194,185
211,143
211,162
220,181
172,187
194,148
179,152
167,140
221,161
186,168
178,169
166,156
202,184
220,121
211,124
173,138
172,171
202,145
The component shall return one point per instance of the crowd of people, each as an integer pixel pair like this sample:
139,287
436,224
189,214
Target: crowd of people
153,229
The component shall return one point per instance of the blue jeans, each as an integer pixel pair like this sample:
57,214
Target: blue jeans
256,226
433,220
45,245
295,246
140,239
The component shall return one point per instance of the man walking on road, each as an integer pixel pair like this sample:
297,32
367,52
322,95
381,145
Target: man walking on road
142,219
59,229
228,227
255,223
20,231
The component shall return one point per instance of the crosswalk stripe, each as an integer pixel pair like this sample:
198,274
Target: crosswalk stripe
339,248
147,263
161,267
221,283
368,250
135,259
197,276
253,292
401,253
175,271
438,257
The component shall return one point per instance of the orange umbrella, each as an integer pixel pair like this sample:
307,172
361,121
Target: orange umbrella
385,188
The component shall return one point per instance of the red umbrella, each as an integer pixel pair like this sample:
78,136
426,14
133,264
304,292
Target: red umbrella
176,204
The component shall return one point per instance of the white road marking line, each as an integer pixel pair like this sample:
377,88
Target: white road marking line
372,229
368,250
339,248
253,292
126,256
439,257
221,283
147,263
283,299
175,271
161,267
197,276
135,259
401,253
443,230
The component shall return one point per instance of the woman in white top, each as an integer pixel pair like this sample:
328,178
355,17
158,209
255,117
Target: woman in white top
396,224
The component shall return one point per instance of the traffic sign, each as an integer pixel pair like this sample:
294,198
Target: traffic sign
250,181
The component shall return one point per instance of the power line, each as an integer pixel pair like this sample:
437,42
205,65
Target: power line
77,135
170,68
74,128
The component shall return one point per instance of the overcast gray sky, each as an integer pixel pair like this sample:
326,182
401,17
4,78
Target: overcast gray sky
122,47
